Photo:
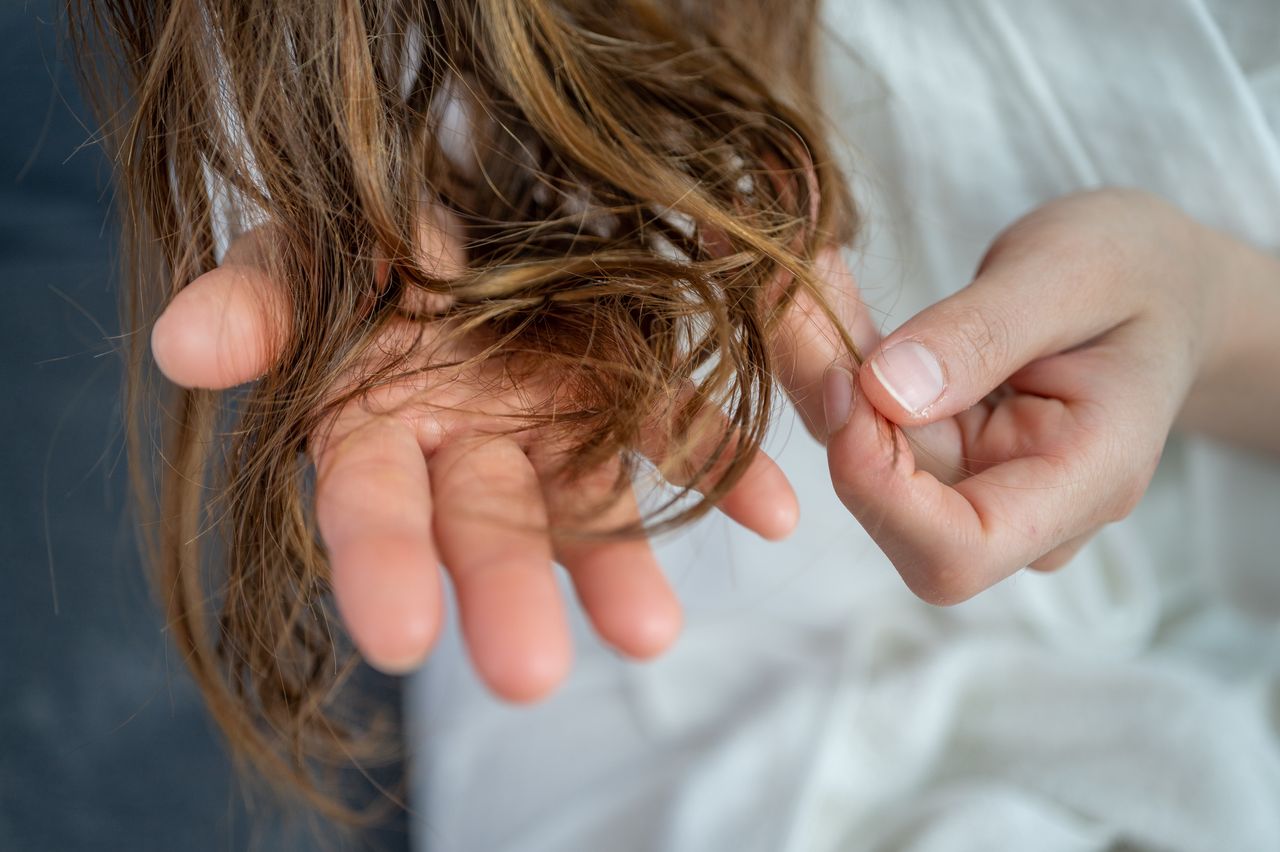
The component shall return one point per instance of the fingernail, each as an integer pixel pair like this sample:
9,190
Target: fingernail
911,374
837,397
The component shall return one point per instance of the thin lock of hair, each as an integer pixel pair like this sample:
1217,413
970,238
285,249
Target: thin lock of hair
642,189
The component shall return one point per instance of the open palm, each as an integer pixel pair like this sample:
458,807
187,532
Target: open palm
437,468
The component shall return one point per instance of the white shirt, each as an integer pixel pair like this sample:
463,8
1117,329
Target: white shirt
813,703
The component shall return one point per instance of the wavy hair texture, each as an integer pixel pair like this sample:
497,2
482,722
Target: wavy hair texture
638,181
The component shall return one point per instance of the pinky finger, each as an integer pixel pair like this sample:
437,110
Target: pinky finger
618,580
762,500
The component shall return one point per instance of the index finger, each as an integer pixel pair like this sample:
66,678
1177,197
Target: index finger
951,542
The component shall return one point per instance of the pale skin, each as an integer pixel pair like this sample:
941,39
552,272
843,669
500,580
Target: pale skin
1095,326
1105,320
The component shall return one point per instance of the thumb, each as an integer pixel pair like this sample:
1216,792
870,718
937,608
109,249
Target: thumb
954,353
226,327
229,326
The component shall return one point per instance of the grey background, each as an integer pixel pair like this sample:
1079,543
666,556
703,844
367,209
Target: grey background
104,741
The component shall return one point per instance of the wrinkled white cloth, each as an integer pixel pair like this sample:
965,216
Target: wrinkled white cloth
1131,700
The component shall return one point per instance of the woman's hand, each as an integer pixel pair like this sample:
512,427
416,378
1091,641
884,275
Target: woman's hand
427,471
1037,400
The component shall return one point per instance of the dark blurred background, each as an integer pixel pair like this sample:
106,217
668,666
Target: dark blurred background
104,741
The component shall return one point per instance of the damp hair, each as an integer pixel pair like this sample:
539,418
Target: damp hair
642,190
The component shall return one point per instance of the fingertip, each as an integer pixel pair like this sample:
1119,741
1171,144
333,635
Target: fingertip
529,675
641,618
653,633
395,662
868,385
863,454
180,347
905,382
764,501
393,616
514,625
781,522
219,331
838,391
401,648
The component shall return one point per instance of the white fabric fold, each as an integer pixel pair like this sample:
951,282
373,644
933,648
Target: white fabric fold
1130,701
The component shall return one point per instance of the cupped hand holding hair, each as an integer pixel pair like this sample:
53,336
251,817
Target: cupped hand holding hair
1003,426
436,468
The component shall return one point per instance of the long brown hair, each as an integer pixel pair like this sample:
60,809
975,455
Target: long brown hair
642,175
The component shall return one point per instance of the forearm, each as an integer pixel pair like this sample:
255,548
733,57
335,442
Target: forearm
1236,396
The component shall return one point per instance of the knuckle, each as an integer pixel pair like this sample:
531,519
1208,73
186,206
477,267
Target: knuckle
364,463
944,583
1062,240
984,335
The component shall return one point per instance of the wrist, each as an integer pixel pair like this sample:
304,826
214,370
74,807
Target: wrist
1236,392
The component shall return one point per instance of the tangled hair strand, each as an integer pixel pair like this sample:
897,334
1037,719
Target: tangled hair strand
635,181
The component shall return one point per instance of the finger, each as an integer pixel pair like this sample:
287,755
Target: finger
618,581
949,543
806,341
439,253
948,357
226,327
491,527
373,508
1063,553
762,500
